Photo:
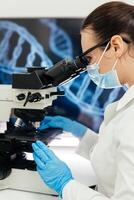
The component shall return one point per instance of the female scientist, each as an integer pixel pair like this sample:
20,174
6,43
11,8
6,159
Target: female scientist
109,28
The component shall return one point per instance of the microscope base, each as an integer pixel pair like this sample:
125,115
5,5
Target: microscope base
25,180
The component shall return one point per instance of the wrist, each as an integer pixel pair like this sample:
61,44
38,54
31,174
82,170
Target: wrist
65,183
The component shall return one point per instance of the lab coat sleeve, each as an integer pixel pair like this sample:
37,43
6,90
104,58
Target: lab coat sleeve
124,158
77,191
87,144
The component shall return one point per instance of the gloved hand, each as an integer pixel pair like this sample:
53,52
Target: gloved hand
54,172
66,124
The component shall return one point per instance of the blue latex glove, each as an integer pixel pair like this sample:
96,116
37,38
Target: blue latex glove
54,172
66,124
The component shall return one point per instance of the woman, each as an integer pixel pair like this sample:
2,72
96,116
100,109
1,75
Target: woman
110,29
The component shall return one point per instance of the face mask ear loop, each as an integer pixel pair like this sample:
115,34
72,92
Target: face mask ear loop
103,54
115,64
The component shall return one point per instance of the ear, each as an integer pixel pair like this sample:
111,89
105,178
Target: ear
118,45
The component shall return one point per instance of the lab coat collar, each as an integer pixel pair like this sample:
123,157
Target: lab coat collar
127,97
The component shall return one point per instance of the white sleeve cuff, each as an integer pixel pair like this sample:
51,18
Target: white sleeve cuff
74,190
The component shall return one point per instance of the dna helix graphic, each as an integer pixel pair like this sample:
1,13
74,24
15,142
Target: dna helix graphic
9,65
59,41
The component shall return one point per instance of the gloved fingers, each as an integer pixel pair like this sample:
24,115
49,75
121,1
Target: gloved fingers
49,153
47,123
40,153
39,163
42,127
41,173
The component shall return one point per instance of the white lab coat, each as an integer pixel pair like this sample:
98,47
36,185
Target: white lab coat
111,153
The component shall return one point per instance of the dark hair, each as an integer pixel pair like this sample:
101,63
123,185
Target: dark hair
110,19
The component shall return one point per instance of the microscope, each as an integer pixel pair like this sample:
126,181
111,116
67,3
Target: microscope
26,101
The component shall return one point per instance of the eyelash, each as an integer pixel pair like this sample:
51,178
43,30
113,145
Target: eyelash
89,58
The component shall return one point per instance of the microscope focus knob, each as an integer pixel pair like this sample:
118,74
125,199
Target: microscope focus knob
21,97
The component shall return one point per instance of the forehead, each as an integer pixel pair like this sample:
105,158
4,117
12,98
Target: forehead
88,38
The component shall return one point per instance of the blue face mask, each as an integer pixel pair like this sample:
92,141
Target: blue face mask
107,80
